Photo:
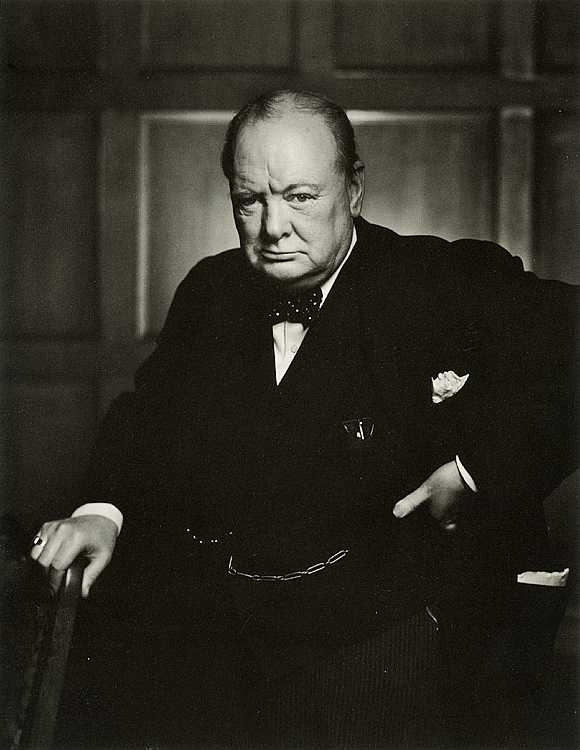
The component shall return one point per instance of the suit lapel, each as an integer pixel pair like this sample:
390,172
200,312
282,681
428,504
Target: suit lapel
396,359
326,342
246,346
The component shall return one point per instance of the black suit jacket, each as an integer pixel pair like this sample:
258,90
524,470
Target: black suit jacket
420,306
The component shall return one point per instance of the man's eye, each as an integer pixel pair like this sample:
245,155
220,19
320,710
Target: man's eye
300,197
245,201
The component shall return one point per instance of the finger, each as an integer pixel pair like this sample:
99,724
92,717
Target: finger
54,539
411,501
93,571
38,544
40,541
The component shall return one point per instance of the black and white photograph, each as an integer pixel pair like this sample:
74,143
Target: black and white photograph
290,368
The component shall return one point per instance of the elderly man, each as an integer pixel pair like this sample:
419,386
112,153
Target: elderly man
331,467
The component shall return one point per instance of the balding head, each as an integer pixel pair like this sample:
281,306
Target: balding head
276,104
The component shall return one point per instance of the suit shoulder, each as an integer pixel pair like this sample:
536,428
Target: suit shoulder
201,290
386,245
435,258
213,269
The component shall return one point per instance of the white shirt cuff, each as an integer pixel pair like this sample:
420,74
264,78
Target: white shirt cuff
465,475
542,578
101,509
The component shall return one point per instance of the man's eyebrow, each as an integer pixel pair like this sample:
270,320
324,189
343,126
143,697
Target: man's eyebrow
243,190
294,186
310,185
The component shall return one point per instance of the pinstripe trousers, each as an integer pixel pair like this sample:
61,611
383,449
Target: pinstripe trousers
382,692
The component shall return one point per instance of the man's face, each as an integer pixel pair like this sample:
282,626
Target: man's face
293,208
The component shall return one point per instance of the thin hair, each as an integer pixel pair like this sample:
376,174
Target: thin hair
276,103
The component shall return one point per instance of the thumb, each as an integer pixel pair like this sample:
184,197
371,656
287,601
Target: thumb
93,570
411,501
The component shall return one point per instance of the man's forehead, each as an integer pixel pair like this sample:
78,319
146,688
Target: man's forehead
299,143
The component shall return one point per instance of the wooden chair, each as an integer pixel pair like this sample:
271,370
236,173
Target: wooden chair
36,630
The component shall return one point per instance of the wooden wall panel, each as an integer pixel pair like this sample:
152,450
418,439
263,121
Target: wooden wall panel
428,173
185,205
49,186
517,26
120,40
514,183
557,219
118,226
426,34
558,31
217,34
51,425
57,35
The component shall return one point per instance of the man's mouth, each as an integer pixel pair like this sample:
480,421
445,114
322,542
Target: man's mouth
277,255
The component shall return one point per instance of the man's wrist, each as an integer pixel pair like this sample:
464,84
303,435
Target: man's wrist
107,510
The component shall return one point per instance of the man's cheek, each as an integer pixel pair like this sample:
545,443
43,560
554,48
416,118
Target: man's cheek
247,226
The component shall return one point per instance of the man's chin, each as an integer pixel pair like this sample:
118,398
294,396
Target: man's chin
289,274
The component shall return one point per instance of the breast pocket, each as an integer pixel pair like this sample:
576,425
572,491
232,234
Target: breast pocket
371,452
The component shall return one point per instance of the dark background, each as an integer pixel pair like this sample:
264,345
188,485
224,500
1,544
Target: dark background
113,113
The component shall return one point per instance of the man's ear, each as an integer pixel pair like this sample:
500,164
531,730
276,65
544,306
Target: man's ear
356,188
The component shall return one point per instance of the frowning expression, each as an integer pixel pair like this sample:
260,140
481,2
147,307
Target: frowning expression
293,205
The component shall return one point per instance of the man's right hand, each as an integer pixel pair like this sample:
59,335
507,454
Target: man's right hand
91,536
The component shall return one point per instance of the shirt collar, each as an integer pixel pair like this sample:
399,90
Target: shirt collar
327,286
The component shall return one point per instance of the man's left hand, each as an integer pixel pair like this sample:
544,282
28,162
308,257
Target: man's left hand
442,491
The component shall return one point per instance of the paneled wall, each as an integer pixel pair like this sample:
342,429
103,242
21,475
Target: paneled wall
467,113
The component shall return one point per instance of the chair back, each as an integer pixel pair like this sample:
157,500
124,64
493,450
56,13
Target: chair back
36,628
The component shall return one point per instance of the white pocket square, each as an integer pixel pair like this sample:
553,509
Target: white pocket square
446,384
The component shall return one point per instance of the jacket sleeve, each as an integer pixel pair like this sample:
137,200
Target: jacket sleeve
518,413
119,469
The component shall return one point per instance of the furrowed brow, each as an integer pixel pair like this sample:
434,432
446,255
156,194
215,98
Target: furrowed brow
303,185
243,191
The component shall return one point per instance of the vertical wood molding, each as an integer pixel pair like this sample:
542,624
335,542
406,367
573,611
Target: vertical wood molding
517,38
119,54
515,182
118,224
516,132
119,37
315,32
142,231
556,205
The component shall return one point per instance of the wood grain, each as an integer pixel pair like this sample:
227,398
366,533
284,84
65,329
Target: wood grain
49,186
423,34
428,174
216,34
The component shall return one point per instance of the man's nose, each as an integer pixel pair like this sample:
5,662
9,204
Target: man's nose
275,221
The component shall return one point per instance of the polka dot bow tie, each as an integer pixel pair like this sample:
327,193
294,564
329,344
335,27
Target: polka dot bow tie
301,308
